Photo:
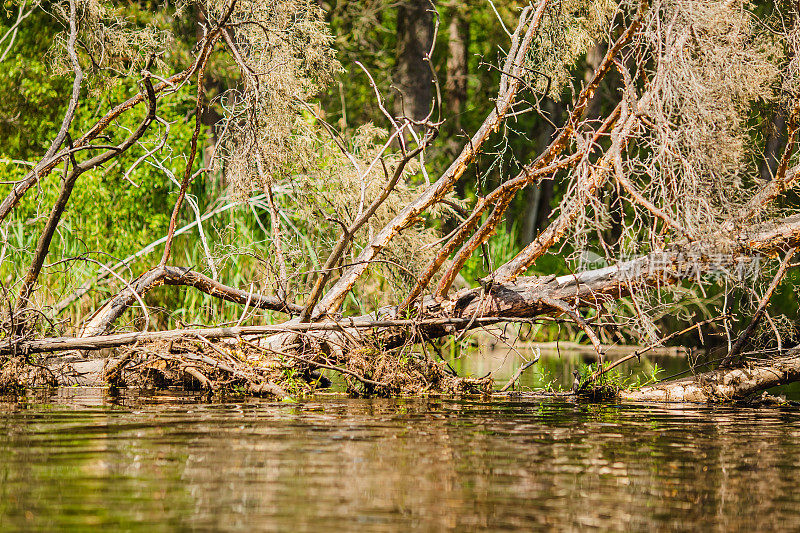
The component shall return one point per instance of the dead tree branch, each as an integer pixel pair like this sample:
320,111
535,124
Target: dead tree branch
43,246
509,87
762,307
105,317
187,173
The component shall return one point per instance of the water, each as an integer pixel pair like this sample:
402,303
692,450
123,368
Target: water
82,460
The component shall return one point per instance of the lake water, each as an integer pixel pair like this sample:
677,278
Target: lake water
82,460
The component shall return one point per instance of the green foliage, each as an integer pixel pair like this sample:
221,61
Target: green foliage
612,381
114,211
32,100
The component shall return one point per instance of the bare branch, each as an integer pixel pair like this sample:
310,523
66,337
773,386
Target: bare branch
438,189
104,318
762,307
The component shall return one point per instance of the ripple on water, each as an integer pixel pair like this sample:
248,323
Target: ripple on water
163,463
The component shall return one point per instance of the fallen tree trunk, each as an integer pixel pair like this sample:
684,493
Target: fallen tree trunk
101,342
526,298
724,383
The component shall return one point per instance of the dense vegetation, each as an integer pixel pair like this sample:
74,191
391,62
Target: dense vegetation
283,139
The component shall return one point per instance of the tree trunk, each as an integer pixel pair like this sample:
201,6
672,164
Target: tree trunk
724,383
412,72
776,139
457,68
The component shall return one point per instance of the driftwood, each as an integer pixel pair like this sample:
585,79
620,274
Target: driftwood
723,383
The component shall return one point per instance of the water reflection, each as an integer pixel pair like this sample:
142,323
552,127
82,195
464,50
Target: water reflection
165,463
555,367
